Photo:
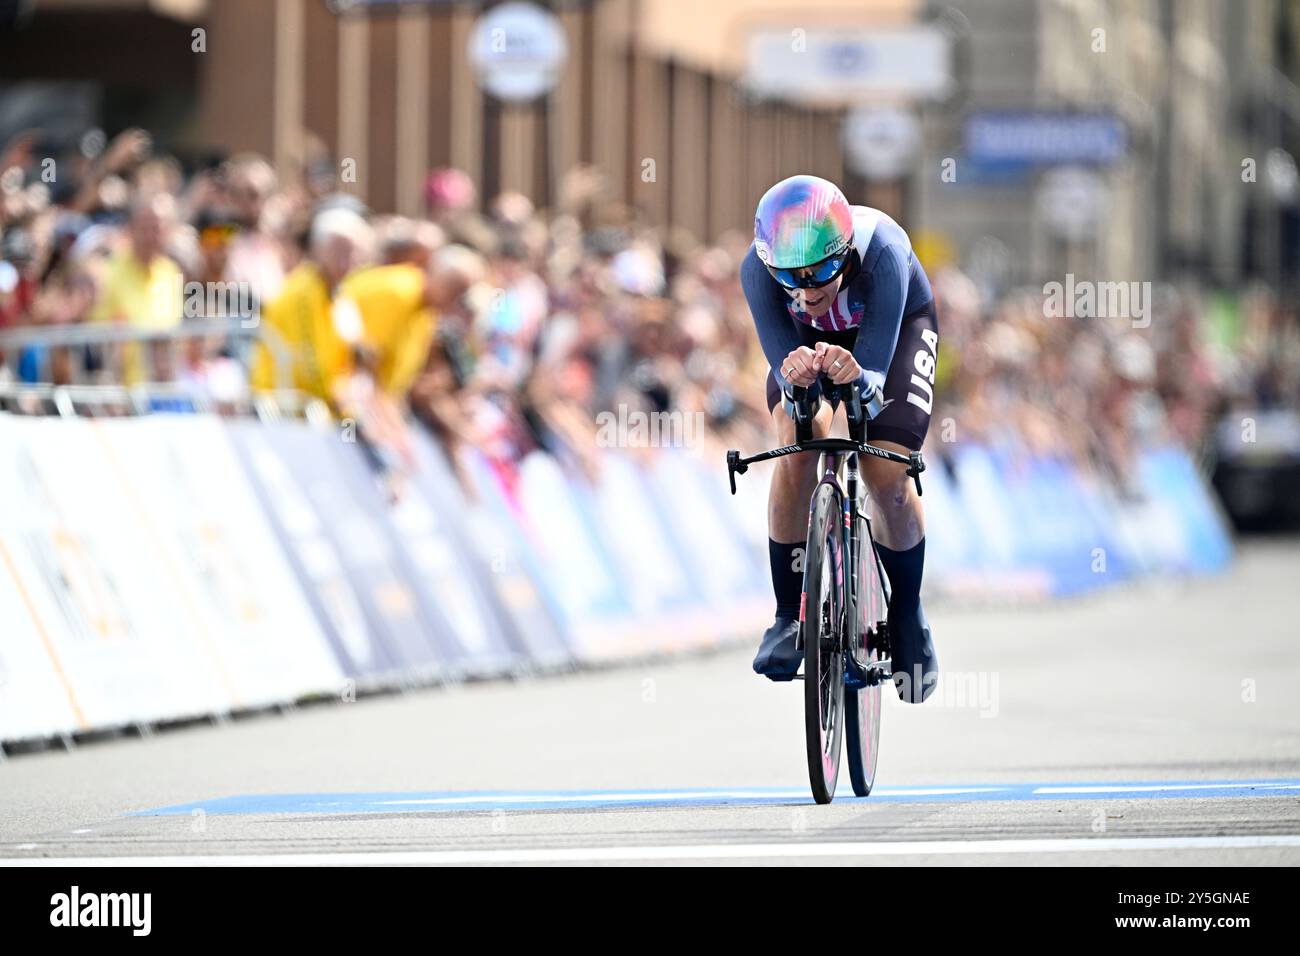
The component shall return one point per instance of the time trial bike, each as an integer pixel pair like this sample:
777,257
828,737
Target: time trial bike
843,633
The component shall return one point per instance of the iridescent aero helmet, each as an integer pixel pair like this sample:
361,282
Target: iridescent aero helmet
804,222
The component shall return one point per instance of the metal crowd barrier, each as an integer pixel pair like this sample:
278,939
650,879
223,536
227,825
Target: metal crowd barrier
88,393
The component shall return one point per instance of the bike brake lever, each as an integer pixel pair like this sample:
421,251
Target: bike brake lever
853,408
734,467
805,402
914,469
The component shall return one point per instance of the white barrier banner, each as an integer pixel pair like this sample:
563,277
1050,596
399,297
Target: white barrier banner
203,515
303,535
721,567
119,627
36,698
576,567
657,578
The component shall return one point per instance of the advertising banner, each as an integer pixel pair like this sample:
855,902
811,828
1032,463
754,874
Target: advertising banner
122,620
351,617
36,697
493,552
203,515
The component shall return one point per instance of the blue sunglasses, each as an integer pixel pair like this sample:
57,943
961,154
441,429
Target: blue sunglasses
816,275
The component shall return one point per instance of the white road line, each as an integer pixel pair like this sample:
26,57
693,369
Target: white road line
666,797
1151,788
742,851
594,797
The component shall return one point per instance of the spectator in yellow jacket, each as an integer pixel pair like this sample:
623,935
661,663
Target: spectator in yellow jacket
398,304
142,287
303,345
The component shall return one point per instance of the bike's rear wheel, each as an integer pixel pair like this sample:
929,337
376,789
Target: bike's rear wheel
823,619
862,707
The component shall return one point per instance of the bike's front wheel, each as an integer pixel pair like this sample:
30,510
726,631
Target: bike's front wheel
823,618
862,707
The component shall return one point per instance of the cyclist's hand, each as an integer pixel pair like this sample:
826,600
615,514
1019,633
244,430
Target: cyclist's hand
800,367
836,363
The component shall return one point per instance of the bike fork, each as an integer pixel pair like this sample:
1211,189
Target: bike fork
828,465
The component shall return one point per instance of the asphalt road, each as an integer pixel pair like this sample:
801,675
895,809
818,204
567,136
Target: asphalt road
1158,724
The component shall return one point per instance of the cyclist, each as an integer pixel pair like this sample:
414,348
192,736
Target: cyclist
836,294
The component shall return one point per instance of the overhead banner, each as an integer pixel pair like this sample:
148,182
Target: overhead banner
847,64
1044,137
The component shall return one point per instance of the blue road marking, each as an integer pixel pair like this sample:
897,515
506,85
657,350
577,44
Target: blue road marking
492,800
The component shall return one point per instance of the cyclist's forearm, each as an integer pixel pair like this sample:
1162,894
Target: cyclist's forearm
870,380
767,304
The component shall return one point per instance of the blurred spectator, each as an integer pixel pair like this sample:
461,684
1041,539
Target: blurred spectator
448,194
305,344
18,279
408,240
512,329
142,286
139,287
396,322
255,255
